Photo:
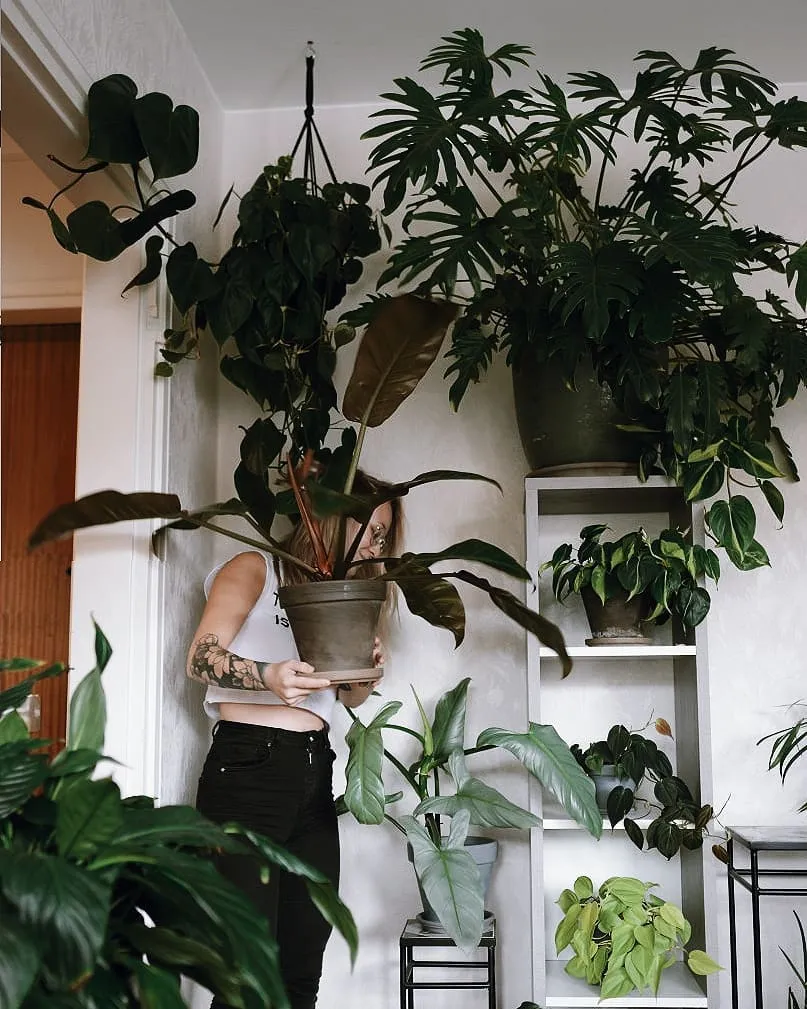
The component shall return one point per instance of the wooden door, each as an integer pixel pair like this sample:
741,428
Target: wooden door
39,399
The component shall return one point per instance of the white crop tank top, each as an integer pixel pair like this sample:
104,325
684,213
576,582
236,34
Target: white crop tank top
265,636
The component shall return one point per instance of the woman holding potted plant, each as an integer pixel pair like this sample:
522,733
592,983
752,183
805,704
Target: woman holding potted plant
269,765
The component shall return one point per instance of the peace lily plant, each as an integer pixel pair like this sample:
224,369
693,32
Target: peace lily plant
108,900
447,873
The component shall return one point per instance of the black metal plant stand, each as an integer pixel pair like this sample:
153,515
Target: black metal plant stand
414,936
756,840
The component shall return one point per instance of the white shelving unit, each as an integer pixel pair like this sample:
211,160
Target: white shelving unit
611,684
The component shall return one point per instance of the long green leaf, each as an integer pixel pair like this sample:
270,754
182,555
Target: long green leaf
102,508
87,721
20,957
485,805
396,351
90,814
547,757
364,789
450,880
448,726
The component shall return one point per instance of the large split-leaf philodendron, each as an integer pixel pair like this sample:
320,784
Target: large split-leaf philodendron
447,872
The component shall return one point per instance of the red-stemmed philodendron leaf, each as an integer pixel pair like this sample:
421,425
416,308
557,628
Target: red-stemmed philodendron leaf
433,598
103,508
396,351
297,479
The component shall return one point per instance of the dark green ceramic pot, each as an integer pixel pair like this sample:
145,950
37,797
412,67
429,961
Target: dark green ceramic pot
569,429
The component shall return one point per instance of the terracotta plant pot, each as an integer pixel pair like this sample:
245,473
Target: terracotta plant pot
334,624
618,621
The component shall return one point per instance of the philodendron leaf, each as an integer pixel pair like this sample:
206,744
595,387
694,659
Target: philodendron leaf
20,957
96,232
113,133
485,805
364,788
170,135
701,963
478,551
448,727
153,267
66,905
102,508
547,757
450,880
548,634
434,599
394,354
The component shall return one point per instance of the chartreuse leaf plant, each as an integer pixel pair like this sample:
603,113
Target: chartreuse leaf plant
591,223
108,900
623,936
442,785
667,569
394,353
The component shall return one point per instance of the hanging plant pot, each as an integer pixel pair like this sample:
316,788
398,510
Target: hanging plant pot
566,430
618,621
334,624
484,851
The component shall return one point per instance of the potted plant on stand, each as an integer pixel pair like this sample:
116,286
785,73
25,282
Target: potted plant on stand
623,936
633,581
110,901
597,230
619,764
452,868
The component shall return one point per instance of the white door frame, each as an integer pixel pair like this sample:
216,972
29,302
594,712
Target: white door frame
123,411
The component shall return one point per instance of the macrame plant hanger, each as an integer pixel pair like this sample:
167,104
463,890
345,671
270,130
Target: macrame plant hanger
309,130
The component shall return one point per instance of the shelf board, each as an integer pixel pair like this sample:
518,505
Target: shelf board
622,651
563,823
678,989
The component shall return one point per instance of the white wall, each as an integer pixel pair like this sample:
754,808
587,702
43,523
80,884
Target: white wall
135,433
756,635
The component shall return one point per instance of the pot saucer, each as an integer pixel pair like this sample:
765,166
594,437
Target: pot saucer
619,640
436,927
349,675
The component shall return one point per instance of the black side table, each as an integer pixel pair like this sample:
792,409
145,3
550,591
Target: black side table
414,936
756,840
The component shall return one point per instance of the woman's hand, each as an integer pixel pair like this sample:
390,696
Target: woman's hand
378,654
291,680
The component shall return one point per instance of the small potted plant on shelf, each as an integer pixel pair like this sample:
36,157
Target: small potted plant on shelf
602,236
619,764
624,936
633,581
447,869
111,901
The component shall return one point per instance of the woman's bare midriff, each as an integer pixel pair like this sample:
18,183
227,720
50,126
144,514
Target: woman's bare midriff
281,716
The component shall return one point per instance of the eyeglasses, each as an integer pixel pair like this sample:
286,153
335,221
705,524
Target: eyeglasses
378,537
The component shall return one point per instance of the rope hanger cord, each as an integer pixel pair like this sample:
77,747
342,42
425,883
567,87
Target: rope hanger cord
309,129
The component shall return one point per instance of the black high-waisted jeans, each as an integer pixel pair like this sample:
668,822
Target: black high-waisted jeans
278,783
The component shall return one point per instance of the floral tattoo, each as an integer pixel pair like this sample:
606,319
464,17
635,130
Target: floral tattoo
213,664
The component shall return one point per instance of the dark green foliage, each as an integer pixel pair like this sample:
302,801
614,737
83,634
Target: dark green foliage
679,819
109,901
506,214
668,569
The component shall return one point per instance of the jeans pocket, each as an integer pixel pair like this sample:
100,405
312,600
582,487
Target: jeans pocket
233,758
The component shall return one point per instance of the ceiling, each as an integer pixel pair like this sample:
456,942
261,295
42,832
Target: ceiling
253,50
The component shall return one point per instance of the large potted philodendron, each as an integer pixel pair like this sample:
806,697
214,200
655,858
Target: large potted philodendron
452,867
591,231
110,901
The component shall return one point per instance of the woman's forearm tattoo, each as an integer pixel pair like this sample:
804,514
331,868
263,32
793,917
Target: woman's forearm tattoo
212,664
